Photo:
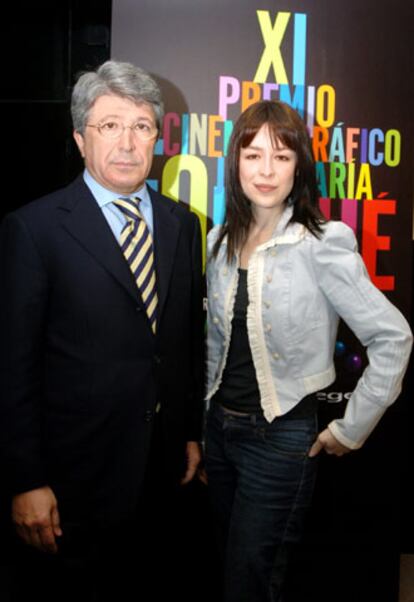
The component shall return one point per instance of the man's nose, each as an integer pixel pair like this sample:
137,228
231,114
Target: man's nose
127,139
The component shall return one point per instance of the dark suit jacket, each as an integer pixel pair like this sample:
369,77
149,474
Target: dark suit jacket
81,371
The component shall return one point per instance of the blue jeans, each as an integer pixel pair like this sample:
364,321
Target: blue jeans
260,484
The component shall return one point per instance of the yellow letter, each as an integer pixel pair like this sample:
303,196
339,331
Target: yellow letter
364,185
325,116
198,187
272,38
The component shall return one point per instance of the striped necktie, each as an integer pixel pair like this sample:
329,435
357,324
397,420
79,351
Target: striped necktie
136,244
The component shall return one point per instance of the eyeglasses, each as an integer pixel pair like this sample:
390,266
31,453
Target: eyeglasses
114,129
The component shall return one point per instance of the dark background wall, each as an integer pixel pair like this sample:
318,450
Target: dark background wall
43,45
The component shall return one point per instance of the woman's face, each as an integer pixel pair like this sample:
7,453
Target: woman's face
267,172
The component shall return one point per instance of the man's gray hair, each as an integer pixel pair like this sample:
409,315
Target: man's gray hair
119,78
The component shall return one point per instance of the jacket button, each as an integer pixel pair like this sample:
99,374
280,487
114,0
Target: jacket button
268,278
215,320
157,359
138,308
215,295
275,356
148,415
268,328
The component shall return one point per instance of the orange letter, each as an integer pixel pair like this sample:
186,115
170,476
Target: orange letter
250,94
213,133
319,142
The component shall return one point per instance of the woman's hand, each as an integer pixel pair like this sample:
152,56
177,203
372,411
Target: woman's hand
326,441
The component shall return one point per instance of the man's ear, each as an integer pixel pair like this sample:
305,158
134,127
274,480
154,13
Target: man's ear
80,142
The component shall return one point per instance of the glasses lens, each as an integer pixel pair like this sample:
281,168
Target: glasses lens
145,130
111,129
114,129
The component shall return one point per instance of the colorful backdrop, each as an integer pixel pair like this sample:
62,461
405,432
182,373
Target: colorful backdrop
346,66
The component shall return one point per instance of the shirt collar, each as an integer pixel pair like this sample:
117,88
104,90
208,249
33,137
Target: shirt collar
103,196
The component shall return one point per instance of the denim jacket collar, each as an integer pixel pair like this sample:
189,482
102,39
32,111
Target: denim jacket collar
285,233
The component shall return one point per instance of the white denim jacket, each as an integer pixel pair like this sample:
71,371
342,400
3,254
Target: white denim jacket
298,288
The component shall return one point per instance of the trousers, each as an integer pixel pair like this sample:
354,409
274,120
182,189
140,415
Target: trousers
261,482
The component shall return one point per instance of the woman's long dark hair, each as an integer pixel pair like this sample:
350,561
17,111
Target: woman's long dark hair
285,125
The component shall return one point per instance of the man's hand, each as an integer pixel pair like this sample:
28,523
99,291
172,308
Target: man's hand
35,514
326,441
193,454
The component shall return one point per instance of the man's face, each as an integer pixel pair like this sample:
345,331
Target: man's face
120,164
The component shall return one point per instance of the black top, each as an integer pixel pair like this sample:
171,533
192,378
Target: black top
239,389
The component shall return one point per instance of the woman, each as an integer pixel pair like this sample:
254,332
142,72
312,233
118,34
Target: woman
279,277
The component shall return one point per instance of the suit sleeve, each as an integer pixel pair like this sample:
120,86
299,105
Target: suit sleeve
195,405
23,302
378,324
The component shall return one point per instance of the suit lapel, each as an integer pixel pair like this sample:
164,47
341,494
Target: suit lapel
166,233
83,219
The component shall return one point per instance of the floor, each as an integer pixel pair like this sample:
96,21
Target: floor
407,578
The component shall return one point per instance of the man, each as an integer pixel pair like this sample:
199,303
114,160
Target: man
101,330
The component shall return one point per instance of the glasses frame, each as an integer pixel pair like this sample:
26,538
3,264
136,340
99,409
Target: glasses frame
137,133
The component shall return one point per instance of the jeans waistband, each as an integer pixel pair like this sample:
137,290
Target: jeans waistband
307,407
